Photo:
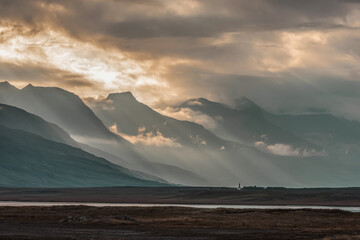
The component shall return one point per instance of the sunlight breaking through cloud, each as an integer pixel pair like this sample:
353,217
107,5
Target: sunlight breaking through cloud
166,50
108,68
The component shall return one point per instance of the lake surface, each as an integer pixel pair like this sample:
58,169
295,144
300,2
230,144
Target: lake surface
49,204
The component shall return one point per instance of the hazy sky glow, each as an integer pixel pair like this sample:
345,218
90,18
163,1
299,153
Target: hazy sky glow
287,55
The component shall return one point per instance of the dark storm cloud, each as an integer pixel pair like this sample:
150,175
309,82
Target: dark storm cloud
129,19
288,55
120,23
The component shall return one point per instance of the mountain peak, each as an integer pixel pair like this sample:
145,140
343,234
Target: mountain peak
202,99
201,102
29,86
124,96
7,91
6,84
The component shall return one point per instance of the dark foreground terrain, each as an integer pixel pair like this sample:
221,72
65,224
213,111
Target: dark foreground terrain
83,222
188,195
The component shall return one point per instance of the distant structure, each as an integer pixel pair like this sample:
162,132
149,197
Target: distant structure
239,187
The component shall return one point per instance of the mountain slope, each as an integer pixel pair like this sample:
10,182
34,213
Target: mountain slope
245,123
28,160
16,118
62,108
13,117
132,118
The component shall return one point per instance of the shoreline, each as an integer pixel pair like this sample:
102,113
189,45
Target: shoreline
193,205
337,197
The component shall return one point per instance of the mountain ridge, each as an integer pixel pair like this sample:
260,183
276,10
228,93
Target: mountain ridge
60,107
130,115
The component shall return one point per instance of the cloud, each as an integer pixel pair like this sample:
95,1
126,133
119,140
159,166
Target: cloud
304,52
186,114
100,102
147,138
297,92
287,150
50,57
145,19
95,141
198,140
194,103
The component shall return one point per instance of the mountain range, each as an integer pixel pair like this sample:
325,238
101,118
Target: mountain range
99,140
131,116
69,112
121,141
305,133
245,123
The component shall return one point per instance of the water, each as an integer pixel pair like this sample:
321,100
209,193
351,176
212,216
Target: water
49,204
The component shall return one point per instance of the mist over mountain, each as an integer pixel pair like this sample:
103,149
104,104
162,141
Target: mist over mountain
339,137
133,118
16,118
323,154
69,112
245,123
302,134
241,143
267,153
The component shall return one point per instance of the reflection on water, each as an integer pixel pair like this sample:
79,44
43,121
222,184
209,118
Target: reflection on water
44,204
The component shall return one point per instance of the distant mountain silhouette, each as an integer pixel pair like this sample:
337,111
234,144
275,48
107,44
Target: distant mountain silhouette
130,115
28,160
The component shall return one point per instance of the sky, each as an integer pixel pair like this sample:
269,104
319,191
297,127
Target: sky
288,56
